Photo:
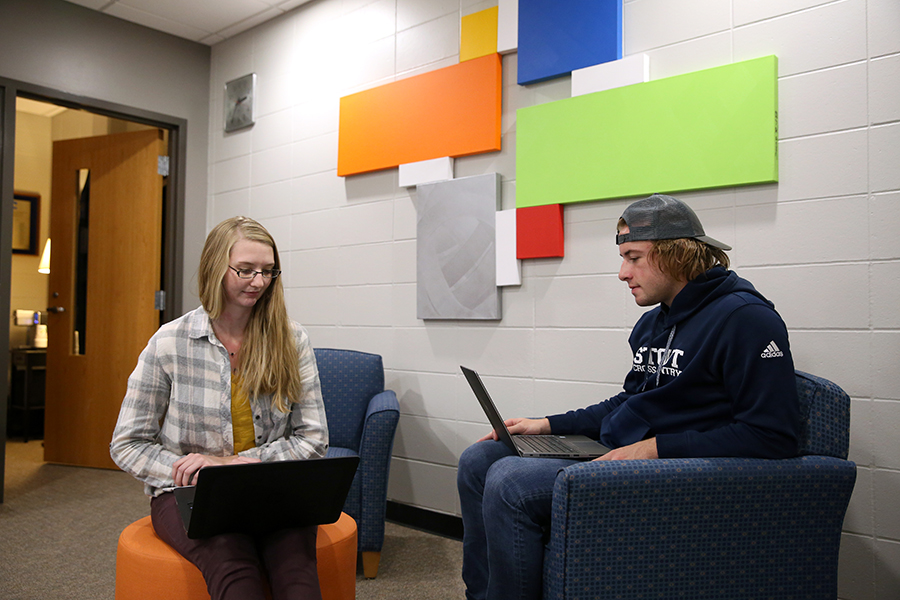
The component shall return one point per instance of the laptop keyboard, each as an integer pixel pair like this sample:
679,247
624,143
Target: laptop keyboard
545,444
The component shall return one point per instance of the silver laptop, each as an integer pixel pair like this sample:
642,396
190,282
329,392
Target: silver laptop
577,447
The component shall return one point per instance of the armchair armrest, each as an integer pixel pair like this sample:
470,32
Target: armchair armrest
375,449
675,527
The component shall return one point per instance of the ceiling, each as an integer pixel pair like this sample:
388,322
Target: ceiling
204,21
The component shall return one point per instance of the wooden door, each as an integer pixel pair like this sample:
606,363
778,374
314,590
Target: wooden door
104,273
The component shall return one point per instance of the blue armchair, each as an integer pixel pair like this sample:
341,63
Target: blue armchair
362,418
709,528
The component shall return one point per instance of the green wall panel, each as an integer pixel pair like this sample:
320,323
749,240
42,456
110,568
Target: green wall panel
711,128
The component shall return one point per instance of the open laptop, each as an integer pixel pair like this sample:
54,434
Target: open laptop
577,447
265,497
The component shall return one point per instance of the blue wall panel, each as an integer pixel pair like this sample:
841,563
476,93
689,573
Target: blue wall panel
559,36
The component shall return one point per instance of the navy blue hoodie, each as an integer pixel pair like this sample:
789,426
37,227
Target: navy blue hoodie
726,386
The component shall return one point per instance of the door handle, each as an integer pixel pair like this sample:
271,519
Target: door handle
56,309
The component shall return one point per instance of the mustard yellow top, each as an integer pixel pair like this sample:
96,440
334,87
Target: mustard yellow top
241,416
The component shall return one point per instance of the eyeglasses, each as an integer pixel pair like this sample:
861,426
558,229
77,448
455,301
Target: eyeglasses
250,273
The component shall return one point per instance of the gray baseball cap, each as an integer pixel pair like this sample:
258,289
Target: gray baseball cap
661,217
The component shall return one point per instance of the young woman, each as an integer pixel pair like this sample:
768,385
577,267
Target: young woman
233,381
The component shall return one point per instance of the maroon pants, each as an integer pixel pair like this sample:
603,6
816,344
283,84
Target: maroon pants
236,566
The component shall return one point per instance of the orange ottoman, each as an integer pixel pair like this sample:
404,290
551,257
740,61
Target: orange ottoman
147,568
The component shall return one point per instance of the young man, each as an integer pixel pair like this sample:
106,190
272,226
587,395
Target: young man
712,375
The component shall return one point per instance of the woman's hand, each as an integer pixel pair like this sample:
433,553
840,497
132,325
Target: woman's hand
186,468
522,427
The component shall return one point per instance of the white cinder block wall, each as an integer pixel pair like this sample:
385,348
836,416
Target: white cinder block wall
823,243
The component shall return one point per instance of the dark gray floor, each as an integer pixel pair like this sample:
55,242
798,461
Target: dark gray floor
59,527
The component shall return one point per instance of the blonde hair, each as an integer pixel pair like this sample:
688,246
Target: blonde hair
270,363
683,258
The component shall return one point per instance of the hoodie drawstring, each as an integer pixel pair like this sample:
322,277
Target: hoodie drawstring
667,354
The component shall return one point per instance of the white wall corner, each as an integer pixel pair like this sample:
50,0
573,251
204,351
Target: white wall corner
606,76
426,171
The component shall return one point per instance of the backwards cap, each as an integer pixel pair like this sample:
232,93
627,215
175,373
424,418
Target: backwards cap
661,217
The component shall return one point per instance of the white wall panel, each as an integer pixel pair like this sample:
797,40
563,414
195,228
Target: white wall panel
653,23
883,17
690,55
272,200
227,145
269,166
427,43
428,440
884,372
424,485
314,229
862,436
843,355
271,131
230,204
411,13
315,117
884,156
859,516
426,394
885,293
316,192
884,89
802,232
591,301
368,305
822,166
884,223
365,264
365,223
841,293
748,11
887,557
582,354
856,569
838,98
403,304
885,422
314,155
230,175
831,35
314,268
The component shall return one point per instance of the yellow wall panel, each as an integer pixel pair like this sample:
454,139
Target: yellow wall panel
478,34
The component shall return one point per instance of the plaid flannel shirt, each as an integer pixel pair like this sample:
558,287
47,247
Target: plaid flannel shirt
178,401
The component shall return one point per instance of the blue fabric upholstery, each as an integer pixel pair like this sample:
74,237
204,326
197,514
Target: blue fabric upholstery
362,418
708,528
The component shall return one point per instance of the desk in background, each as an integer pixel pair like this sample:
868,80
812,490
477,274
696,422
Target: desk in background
29,368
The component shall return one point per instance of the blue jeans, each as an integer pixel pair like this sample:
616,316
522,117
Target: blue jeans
505,502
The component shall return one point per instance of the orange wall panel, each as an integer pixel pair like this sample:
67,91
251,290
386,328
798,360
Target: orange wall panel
454,111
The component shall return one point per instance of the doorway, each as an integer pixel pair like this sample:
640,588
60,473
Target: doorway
67,117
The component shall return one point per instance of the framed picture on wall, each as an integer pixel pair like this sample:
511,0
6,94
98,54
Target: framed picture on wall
26,222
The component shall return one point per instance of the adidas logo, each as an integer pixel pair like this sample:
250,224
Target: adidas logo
772,351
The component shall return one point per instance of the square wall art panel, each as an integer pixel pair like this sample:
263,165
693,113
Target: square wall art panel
558,36
456,249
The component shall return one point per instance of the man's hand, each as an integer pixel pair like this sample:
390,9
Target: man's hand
522,427
639,450
186,468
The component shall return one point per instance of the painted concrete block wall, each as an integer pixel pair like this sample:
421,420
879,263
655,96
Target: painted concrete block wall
822,243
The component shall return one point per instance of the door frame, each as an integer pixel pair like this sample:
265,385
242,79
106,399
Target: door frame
173,226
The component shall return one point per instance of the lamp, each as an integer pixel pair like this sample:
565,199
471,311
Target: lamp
44,267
